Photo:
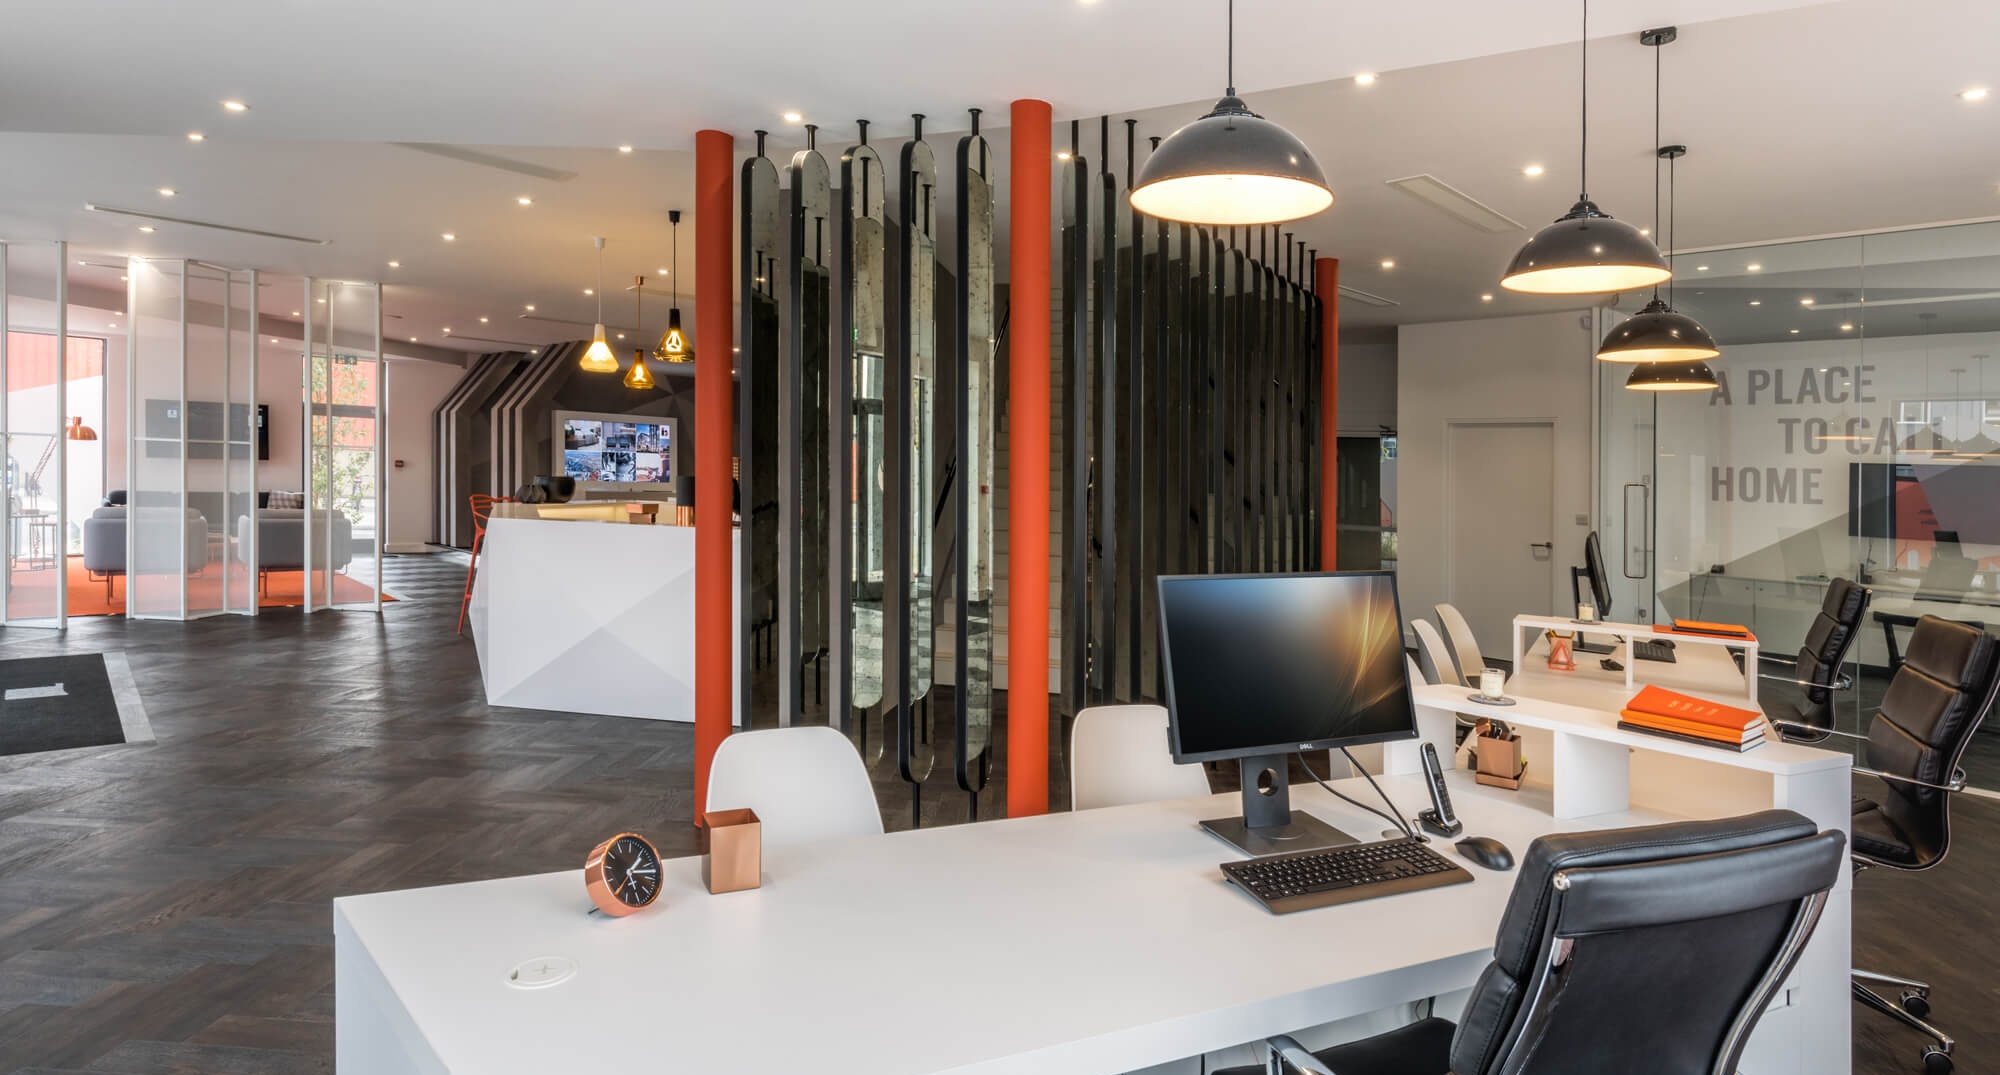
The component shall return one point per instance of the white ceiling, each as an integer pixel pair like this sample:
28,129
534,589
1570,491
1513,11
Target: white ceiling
1802,120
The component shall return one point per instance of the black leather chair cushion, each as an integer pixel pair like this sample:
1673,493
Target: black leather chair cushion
1826,644
1844,601
1497,998
1930,710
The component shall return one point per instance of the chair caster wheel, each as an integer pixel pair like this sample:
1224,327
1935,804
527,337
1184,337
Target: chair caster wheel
1916,1004
1936,1063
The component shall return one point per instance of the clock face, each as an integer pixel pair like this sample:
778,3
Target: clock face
623,874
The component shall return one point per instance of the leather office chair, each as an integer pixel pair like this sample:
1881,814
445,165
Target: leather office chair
1933,706
1817,668
1648,949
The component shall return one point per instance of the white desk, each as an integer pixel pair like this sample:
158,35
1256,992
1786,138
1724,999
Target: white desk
1688,649
1072,944
591,617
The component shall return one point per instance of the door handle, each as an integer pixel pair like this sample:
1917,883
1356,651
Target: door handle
1545,546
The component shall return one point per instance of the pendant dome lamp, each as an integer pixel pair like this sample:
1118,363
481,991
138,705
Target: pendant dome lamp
1231,167
1695,376
598,357
1586,251
639,376
674,345
1659,333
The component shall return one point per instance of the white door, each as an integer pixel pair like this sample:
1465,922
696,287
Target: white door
1500,478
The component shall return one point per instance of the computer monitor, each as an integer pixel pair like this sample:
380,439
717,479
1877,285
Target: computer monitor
1600,591
1259,667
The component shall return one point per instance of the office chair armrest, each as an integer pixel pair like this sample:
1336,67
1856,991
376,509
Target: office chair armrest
1813,730
1844,682
1957,779
1296,1057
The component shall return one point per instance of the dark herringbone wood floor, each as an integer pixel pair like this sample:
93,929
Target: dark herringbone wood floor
164,908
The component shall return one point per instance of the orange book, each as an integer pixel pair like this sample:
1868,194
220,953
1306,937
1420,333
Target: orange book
1690,727
1660,702
1699,627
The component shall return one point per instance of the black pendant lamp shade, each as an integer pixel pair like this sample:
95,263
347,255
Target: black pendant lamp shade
1658,333
1231,167
1586,252
1672,377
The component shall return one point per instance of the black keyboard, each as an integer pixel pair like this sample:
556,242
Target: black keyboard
1651,649
1300,880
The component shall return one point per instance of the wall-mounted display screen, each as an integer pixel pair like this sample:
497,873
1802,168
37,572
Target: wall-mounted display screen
616,449
205,431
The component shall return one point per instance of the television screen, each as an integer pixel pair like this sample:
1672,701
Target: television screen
603,450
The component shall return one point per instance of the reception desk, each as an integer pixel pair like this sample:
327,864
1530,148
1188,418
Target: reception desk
587,616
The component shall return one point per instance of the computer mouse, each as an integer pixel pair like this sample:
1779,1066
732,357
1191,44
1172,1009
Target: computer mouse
1486,851
1610,665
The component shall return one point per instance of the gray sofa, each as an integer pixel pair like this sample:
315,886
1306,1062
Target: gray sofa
104,543
281,539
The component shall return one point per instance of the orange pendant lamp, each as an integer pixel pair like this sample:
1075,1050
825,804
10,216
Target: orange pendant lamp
639,376
674,345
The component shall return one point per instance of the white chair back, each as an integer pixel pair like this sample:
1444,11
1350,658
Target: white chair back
1464,647
806,784
1118,755
1432,657
1416,674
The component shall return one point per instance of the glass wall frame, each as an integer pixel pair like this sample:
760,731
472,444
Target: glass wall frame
33,525
343,400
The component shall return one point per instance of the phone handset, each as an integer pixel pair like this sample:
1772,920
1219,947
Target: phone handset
1438,819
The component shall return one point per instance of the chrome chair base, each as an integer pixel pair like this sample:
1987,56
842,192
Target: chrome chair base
1910,1008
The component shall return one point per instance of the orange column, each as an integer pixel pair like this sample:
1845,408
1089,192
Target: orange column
1326,282
1028,463
714,407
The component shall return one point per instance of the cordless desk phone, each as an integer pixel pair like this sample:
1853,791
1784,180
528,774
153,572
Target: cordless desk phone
1438,819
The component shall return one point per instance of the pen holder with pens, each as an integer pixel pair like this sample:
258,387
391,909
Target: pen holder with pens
1496,756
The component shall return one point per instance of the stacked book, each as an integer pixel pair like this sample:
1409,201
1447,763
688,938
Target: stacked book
1658,711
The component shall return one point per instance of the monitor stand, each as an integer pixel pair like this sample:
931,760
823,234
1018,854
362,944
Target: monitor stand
1269,825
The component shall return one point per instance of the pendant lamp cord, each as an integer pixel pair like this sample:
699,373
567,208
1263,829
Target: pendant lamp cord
1232,48
1583,163
676,274
1670,236
1657,49
600,280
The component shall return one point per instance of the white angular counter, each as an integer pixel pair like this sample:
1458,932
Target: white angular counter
592,617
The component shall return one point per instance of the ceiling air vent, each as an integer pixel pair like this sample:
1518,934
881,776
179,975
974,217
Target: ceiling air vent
1455,203
1365,298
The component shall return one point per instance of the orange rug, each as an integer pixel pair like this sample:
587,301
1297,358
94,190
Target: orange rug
34,593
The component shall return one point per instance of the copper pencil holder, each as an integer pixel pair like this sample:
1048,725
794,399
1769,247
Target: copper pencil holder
735,858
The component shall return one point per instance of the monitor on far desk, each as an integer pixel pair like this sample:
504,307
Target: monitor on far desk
1260,667
1600,591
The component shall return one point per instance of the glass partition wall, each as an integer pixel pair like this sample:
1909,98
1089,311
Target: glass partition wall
1856,434
191,546
342,532
36,356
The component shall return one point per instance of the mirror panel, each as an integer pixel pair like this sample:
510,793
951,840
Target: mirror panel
979,330
757,433
802,451
914,407
859,526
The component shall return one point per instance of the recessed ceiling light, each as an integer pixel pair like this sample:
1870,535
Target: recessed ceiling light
736,350
168,192
524,200
122,278
1701,268
447,330
1754,267
295,313
1488,297
1795,332
588,291
395,264
534,350
196,136
413,339
1388,263
147,228
531,307
1365,78
624,149
1846,327
1976,93
794,117
449,237
1807,301
274,339
1063,156
482,320
1645,231
1756,302
664,272
322,302
1532,170
621,335
235,106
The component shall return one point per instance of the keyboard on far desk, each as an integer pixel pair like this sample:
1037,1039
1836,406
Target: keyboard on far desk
1654,649
1301,880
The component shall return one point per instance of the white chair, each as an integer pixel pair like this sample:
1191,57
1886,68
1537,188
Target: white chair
1433,657
1464,647
1416,674
806,784
1118,755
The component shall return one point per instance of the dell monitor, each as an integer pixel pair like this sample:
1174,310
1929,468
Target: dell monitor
1259,667
1593,572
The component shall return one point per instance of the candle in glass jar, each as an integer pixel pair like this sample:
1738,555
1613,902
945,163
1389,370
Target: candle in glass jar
1491,682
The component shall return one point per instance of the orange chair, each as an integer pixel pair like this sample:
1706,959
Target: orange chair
482,510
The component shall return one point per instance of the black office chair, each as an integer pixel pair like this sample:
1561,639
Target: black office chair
1649,949
1817,668
1935,703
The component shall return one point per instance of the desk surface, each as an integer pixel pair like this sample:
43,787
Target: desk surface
1088,943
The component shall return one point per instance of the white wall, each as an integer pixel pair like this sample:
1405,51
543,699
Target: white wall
1537,367
414,389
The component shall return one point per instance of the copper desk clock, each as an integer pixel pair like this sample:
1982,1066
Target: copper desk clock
623,874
